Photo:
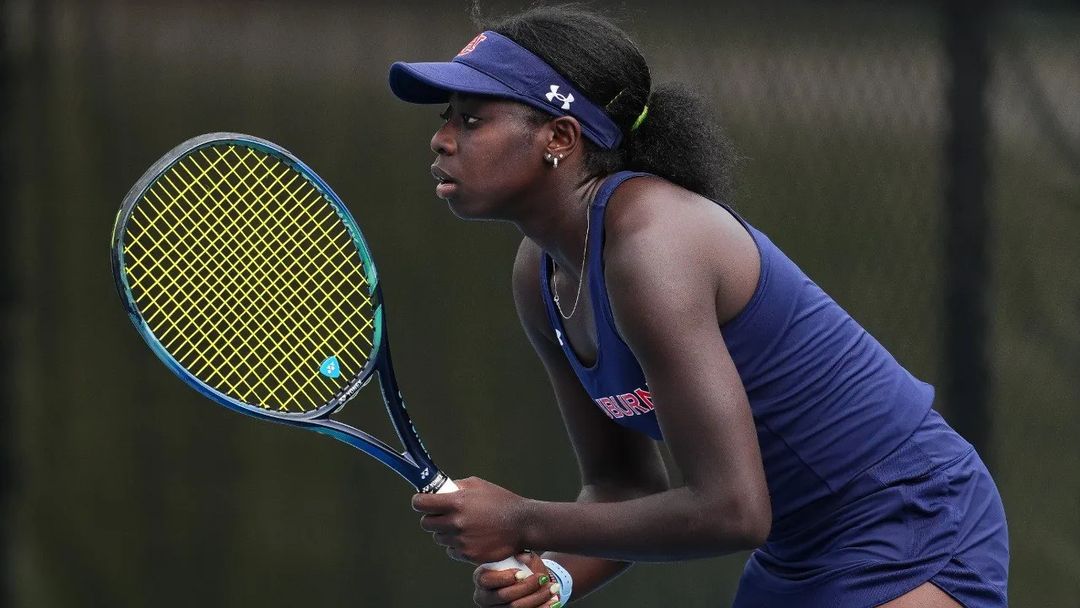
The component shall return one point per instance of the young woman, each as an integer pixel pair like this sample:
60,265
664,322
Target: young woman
661,315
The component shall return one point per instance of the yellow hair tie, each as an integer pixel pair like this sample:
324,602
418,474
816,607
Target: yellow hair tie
640,118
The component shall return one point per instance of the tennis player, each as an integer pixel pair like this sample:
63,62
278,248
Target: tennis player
662,315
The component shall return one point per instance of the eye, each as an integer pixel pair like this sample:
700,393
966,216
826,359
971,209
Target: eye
467,119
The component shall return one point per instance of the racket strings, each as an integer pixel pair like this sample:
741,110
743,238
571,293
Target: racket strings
249,279
224,244
263,278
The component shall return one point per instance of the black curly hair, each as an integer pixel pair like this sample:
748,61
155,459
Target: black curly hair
677,140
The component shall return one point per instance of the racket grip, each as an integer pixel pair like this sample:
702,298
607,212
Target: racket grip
506,564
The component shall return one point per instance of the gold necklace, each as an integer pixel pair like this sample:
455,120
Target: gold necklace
581,276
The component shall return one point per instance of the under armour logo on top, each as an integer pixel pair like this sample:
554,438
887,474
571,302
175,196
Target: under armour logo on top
565,99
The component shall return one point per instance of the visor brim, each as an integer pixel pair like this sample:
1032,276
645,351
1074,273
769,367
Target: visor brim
433,82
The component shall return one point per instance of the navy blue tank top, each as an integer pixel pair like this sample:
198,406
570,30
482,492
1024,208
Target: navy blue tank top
827,399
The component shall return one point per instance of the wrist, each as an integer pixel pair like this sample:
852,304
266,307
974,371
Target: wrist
526,524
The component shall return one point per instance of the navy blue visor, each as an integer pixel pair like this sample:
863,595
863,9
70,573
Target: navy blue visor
494,65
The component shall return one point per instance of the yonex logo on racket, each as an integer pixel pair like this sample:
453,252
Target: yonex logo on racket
555,94
330,367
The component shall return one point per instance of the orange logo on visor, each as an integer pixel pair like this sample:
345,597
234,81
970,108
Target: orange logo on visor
472,45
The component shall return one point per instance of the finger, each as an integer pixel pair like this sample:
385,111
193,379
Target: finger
537,600
431,503
496,579
518,590
541,597
533,560
454,555
438,523
488,599
445,540
528,586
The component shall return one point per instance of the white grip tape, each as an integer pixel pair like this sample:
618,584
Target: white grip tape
506,564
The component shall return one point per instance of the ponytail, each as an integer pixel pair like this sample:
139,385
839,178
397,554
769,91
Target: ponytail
677,141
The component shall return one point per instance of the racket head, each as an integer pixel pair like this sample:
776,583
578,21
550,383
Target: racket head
249,278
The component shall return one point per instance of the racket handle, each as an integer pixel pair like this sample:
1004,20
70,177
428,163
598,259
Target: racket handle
506,564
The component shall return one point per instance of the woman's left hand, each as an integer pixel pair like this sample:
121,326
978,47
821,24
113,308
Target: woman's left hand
479,523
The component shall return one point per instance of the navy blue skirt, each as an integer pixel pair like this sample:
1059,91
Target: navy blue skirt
929,511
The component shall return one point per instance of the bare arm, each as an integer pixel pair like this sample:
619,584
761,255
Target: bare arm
615,464
664,271
672,259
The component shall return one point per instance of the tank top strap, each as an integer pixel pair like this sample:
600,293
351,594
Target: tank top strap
607,333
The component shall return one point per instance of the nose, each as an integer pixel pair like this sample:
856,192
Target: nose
442,142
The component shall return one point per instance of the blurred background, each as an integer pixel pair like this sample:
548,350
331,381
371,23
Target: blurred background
920,160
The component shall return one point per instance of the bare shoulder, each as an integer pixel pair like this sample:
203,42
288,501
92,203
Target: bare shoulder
653,226
526,288
527,266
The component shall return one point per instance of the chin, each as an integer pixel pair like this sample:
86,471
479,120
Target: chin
467,210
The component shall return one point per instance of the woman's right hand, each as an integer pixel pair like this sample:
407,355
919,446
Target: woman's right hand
503,588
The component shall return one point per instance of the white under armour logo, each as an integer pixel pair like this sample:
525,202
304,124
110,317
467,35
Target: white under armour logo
565,99
558,335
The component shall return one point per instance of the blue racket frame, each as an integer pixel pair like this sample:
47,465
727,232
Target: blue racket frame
414,464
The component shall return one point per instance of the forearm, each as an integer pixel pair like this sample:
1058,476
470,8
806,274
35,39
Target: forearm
590,573
672,525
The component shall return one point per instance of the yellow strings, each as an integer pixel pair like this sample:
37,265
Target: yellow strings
246,275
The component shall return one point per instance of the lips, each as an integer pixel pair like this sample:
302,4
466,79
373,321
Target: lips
446,184
441,176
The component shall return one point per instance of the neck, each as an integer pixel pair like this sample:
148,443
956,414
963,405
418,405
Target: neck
557,221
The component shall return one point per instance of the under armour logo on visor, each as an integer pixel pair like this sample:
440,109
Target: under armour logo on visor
565,99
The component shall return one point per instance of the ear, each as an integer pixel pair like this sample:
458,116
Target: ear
565,136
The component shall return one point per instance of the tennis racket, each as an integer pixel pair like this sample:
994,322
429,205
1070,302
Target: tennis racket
250,280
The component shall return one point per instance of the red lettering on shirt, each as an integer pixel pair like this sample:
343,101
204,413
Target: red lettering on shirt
627,404
645,397
631,402
609,406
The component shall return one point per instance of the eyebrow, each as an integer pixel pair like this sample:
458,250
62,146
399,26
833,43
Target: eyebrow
466,98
